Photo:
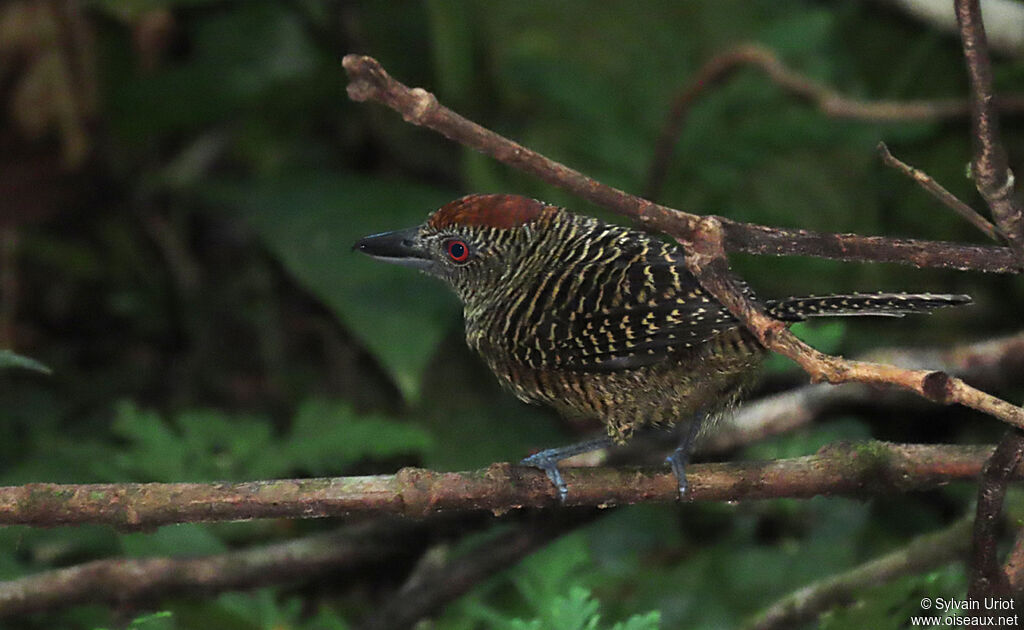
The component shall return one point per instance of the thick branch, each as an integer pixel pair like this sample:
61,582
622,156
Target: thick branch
987,577
125,580
369,81
922,554
840,470
992,173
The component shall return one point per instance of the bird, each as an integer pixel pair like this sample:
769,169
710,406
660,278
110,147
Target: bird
599,320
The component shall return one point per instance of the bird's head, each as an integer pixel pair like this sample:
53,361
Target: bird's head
472,243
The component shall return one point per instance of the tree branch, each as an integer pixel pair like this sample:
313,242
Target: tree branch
947,198
992,363
119,580
924,553
828,101
992,174
987,579
837,470
447,581
369,81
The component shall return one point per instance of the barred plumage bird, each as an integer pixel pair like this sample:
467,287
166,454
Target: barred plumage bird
599,320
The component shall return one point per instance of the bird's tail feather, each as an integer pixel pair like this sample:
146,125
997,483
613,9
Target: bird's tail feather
878,304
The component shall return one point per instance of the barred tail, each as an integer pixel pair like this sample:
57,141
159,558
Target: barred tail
878,304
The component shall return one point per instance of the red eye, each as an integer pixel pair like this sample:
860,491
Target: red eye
457,250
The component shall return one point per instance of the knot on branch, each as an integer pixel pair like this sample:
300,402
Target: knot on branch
938,387
413,486
422,103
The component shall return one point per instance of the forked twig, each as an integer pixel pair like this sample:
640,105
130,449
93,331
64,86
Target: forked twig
951,201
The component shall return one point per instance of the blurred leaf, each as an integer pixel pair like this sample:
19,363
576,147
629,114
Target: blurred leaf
9,359
206,445
311,221
328,436
826,336
223,74
186,539
163,620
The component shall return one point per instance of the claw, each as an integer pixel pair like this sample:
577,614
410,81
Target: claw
547,460
678,461
544,461
680,457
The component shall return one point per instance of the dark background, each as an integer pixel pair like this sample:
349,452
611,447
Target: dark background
180,185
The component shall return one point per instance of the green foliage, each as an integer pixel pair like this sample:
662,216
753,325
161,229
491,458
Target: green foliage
399,314
553,598
203,445
9,360
163,620
577,611
891,606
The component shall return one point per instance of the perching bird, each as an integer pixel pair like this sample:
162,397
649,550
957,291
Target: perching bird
599,320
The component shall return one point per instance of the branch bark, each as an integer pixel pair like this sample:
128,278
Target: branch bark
369,81
992,174
994,363
987,578
837,470
119,580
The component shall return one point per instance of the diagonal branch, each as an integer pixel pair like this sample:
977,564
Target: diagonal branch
992,174
447,581
947,198
706,240
837,470
369,81
922,554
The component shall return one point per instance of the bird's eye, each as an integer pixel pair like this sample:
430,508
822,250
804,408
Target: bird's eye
457,250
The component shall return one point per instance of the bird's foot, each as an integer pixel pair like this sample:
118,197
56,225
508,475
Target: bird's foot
678,460
549,465
547,460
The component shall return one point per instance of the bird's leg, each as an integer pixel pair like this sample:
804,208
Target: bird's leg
680,457
547,460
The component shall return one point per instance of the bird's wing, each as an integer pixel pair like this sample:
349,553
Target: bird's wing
642,309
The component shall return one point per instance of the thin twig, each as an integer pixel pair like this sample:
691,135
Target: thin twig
994,363
992,174
944,196
924,553
369,81
705,258
828,101
987,578
840,470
